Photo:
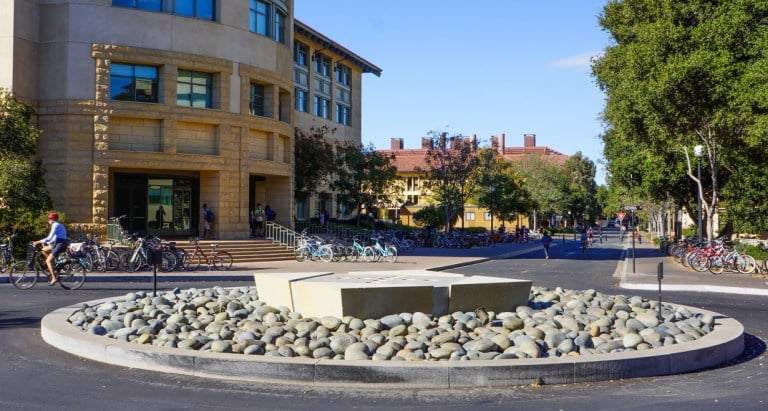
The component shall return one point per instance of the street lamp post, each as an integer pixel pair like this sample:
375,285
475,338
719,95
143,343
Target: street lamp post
491,190
698,151
463,212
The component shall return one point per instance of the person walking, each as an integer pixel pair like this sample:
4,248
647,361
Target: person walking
546,240
160,218
584,241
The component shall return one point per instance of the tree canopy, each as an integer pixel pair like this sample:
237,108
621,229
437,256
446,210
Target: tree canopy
23,194
682,73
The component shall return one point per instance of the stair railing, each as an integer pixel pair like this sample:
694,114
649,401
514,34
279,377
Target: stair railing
281,235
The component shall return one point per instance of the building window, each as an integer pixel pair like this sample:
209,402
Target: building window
128,82
322,65
279,27
154,5
322,107
487,216
259,11
268,19
470,216
194,89
342,74
342,114
300,53
257,100
302,100
201,9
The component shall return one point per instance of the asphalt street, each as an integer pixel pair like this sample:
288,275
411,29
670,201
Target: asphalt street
36,376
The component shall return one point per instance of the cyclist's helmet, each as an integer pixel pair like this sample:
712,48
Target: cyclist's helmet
53,216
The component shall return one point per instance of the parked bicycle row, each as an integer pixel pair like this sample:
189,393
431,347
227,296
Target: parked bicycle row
377,248
86,255
717,257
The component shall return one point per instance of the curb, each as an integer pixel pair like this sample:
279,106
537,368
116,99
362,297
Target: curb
723,344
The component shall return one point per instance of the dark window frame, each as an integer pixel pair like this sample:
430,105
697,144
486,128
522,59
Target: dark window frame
134,80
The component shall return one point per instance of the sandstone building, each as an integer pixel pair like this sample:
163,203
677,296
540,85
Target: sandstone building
176,103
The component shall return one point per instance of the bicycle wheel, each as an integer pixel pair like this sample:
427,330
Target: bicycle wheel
192,262
168,261
325,253
71,275
222,260
136,263
746,264
699,262
181,256
391,254
87,262
112,261
301,254
368,254
350,253
716,265
24,274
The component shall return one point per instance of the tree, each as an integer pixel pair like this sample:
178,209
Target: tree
450,163
547,185
582,188
23,194
312,167
363,178
509,195
430,216
682,73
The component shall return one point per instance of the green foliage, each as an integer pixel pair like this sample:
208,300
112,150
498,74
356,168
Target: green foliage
758,252
430,216
509,195
313,164
24,199
450,165
681,73
363,178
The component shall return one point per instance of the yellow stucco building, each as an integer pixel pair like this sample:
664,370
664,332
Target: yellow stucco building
413,195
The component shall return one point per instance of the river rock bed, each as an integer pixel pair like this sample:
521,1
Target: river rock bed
555,323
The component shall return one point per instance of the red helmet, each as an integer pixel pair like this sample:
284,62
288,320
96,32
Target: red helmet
53,216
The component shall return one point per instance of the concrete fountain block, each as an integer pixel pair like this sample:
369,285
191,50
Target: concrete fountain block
374,294
275,288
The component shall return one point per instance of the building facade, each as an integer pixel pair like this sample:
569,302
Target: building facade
413,194
173,103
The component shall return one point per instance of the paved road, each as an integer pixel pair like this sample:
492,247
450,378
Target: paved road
36,376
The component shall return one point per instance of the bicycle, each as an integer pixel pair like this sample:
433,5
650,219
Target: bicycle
221,260
139,258
70,272
8,261
313,249
378,252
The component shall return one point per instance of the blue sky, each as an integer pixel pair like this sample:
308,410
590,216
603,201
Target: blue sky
466,67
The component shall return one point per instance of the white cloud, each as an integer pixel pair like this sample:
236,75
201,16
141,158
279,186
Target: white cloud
581,60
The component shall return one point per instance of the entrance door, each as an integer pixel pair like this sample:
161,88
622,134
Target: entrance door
131,201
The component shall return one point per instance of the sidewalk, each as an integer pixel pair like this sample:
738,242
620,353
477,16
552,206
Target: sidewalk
641,274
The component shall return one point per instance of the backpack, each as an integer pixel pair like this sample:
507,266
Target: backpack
209,215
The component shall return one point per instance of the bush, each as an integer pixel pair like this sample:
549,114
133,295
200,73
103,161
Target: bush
757,252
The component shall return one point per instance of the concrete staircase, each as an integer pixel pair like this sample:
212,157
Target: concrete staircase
245,251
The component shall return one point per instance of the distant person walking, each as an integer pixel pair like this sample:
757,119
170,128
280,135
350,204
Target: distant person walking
208,218
584,241
160,217
546,240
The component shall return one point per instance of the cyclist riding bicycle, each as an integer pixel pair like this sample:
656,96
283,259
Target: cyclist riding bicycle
53,245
